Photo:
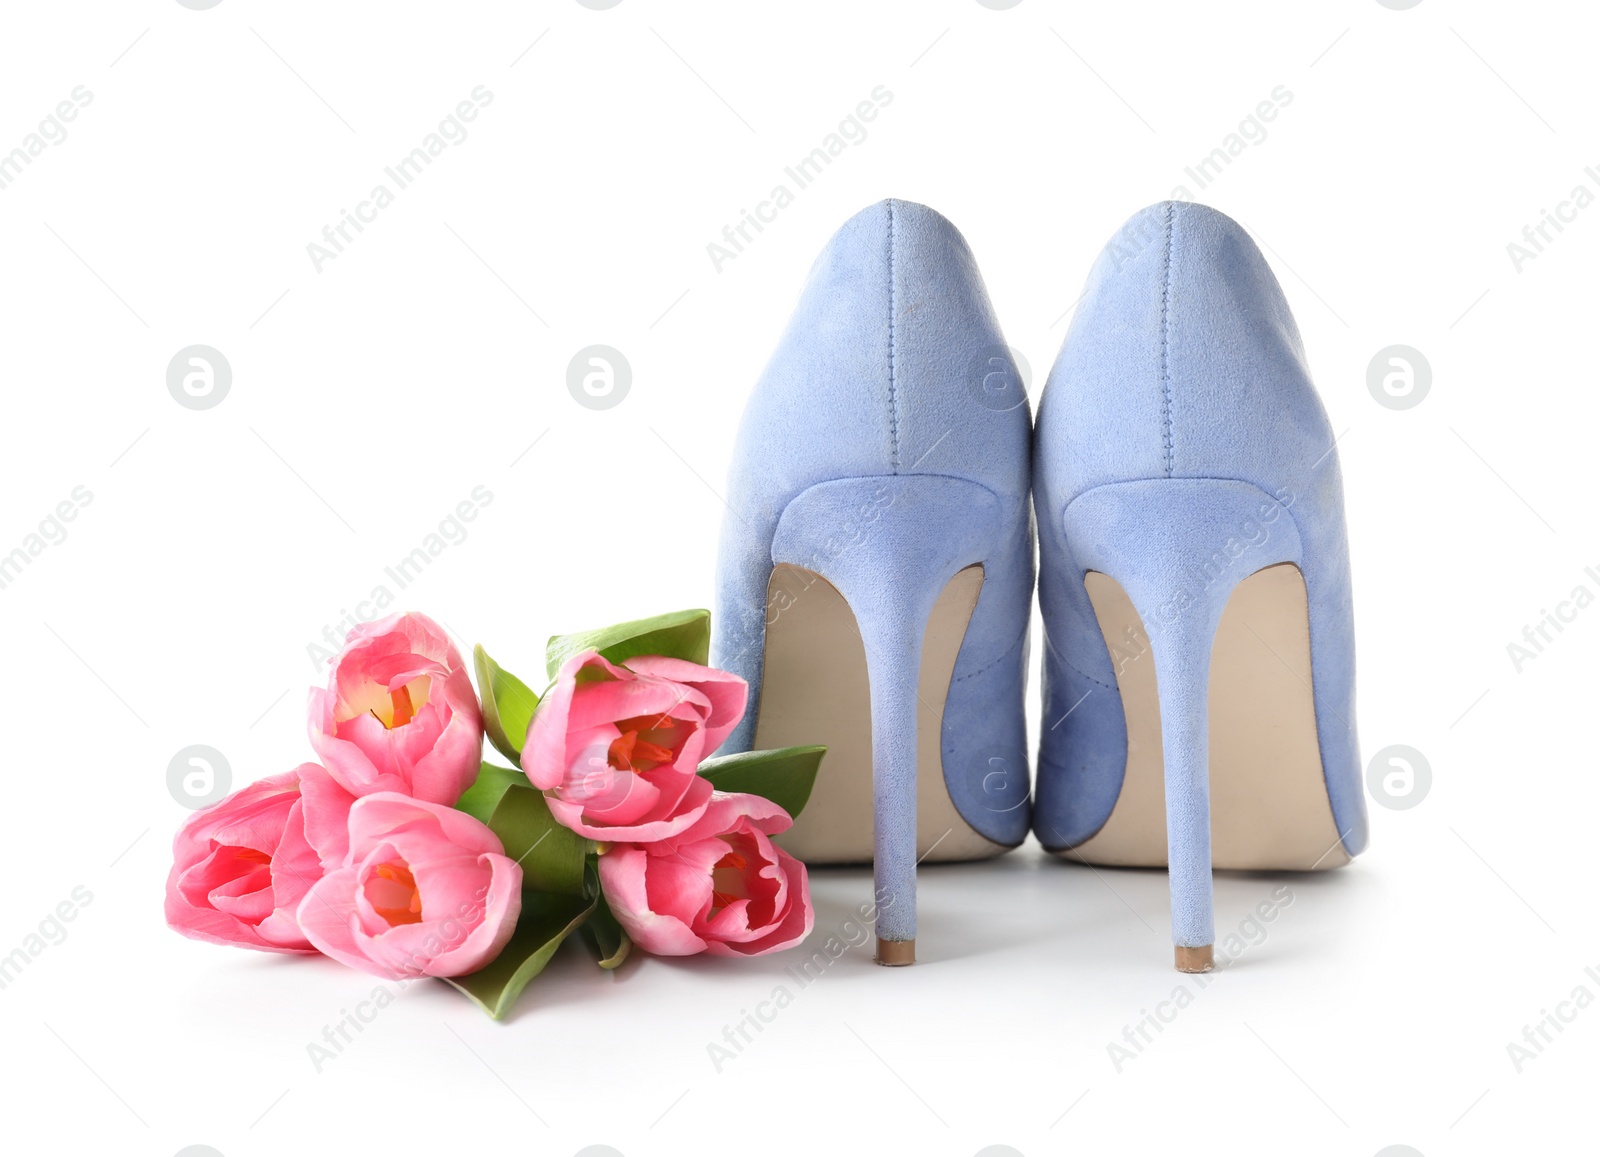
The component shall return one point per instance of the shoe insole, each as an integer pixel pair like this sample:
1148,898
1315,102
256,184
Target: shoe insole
1269,799
814,689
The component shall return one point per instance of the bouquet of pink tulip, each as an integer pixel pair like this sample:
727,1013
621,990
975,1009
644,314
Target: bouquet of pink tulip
403,854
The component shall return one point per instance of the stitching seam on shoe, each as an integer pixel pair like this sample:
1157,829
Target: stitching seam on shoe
1059,656
1009,651
1052,651
894,412
1084,674
1166,373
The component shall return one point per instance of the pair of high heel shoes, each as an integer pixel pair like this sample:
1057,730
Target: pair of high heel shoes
877,572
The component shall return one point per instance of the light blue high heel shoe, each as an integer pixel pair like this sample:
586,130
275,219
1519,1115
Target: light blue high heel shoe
876,564
1194,577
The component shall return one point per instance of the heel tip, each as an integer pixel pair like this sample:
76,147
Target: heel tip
1193,959
894,953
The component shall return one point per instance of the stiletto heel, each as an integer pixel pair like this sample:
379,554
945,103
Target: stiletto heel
1165,544
876,569
1194,577
934,530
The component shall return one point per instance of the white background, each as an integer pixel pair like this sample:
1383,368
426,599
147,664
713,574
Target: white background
371,397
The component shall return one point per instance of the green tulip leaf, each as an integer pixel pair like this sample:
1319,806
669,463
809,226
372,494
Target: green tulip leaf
551,856
508,705
679,635
606,938
784,775
480,800
545,922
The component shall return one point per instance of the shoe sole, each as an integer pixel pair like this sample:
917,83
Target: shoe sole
1269,798
814,689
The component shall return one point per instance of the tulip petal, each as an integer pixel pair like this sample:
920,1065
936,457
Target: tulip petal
370,741
727,693
622,878
607,700
328,918
792,926
691,805
501,905
544,754
374,818
221,888
325,807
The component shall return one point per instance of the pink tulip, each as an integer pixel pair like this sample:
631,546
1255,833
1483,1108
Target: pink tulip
242,866
617,747
399,713
720,886
424,890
